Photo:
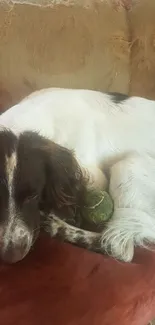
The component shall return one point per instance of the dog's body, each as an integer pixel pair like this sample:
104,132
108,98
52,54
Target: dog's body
110,135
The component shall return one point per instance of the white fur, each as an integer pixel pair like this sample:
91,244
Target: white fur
16,230
11,164
118,138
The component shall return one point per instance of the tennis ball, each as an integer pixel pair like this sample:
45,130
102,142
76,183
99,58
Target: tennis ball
99,206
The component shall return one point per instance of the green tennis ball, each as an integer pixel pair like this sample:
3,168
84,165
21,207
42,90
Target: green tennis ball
99,206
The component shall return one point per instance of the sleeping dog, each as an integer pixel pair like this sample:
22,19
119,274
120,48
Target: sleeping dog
57,143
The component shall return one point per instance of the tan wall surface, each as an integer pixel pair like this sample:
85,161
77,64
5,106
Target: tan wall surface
108,45
142,24
65,47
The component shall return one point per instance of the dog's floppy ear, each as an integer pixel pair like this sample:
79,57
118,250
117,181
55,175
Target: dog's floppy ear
65,186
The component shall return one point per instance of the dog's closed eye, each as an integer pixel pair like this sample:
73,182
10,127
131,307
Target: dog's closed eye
31,197
25,196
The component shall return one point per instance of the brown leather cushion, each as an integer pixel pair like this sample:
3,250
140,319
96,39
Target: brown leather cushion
58,284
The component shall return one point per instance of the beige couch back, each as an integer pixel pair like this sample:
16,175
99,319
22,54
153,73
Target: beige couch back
96,44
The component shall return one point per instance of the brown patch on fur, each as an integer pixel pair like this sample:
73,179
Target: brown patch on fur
65,188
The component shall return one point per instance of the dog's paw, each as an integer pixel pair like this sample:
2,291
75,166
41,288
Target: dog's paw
117,241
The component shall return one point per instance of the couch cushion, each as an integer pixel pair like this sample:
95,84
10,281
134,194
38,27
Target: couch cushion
58,284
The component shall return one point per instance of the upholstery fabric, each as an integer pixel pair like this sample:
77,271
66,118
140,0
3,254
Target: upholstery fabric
58,284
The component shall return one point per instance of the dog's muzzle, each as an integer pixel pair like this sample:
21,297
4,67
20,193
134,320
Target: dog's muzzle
15,244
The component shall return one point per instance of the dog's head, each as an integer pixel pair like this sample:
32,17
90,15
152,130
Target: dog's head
35,174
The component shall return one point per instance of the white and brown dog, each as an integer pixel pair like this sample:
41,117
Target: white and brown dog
57,142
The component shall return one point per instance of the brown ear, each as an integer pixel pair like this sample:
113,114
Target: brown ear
65,187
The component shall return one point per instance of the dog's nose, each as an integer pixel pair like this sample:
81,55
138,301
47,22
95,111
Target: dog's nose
15,251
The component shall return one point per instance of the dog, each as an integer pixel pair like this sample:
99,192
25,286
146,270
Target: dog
55,145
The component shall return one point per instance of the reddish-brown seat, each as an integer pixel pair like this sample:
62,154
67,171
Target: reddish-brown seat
58,284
